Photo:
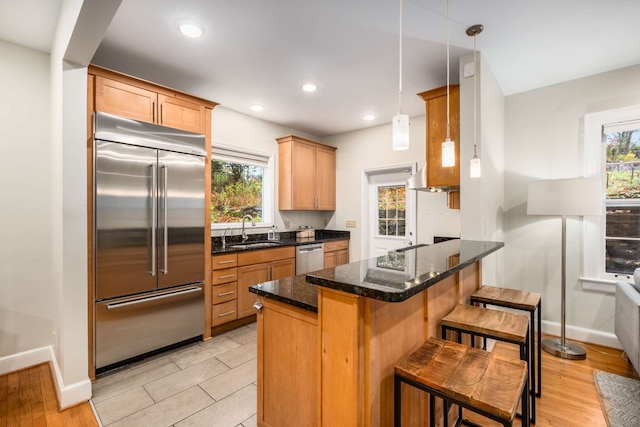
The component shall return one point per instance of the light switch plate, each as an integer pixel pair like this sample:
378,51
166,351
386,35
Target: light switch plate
351,223
469,69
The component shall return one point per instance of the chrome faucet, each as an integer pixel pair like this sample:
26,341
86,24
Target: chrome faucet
244,233
224,240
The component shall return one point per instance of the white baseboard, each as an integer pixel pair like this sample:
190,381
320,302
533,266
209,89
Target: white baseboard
582,334
68,395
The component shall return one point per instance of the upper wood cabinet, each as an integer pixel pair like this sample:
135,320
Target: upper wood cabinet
306,175
436,112
140,100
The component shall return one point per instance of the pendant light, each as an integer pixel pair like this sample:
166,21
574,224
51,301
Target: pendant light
400,121
475,168
448,146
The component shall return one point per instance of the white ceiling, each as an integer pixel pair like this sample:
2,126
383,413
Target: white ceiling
257,51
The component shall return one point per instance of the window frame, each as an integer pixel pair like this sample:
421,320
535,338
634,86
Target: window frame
594,276
268,186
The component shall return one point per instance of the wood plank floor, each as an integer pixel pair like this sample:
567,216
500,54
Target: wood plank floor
569,395
28,399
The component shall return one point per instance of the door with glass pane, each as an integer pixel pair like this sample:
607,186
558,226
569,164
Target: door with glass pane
391,213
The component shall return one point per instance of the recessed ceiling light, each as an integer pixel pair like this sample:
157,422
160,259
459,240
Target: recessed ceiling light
257,107
309,87
190,28
368,117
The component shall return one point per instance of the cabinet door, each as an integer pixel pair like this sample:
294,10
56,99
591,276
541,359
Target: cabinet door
330,259
342,257
438,176
181,114
125,100
325,179
283,268
247,276
303,172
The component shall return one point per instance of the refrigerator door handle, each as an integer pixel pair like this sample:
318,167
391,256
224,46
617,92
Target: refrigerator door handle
154,217
142,300
165,240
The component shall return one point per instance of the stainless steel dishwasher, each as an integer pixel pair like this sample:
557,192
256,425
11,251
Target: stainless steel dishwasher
309,258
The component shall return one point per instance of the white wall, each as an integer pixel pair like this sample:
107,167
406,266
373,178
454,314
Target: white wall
543,141
371,148
27,304
240,130
482,199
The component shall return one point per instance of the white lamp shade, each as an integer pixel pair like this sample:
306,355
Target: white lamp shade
448,153
400,132
475,169
574,197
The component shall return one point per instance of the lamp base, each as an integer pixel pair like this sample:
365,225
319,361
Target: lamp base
567,351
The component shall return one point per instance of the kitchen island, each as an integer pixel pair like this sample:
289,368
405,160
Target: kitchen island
328,341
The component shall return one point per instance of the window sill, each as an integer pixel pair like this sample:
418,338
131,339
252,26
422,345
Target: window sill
603,286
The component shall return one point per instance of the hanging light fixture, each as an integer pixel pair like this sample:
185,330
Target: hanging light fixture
448,146
400,121
475,168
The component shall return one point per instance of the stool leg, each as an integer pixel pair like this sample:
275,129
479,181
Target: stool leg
532,352
397,399
445,412
539,393
432,411
525,404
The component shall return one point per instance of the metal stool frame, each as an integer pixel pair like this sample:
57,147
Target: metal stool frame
533,353
524,355
448,400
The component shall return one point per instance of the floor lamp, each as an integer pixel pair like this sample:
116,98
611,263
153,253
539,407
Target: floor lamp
564,197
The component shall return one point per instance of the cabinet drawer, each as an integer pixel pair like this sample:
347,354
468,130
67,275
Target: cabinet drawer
224,293
224,276
222,313
336,246
266,255
224,261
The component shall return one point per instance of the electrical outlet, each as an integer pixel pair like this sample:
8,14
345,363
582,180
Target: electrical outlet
287,224
351,223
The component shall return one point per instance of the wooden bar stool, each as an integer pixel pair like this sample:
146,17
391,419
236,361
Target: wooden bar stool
519,300
485,383
495,324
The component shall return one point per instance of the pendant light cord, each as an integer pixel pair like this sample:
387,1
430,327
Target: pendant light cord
475,90
448,123
400,64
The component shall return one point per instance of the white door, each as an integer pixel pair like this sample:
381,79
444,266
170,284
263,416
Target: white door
390,215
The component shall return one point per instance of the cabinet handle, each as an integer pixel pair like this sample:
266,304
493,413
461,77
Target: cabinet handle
258,306
226,293
162,113
226,314
153,110
225,262
227,276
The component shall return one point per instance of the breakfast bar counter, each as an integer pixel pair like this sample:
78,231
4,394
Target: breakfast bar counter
326,353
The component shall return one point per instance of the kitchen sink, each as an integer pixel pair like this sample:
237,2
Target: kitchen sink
253,245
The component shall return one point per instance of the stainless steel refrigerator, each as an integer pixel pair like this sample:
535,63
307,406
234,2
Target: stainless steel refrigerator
149,237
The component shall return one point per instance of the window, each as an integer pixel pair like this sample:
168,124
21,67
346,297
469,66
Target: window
392,205
241,184
611,243
622,169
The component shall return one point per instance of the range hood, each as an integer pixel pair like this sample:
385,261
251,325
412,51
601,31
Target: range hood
418,181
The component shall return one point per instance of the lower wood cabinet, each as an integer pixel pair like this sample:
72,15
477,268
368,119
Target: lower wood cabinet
336,253
288,360
261,266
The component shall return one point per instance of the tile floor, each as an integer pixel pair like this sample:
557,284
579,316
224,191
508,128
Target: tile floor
210,384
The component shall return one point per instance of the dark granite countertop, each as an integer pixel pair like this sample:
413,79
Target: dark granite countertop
398,276
291,290
286,239
394,277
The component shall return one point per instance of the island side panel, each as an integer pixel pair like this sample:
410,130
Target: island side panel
288,363
392,332
342,359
